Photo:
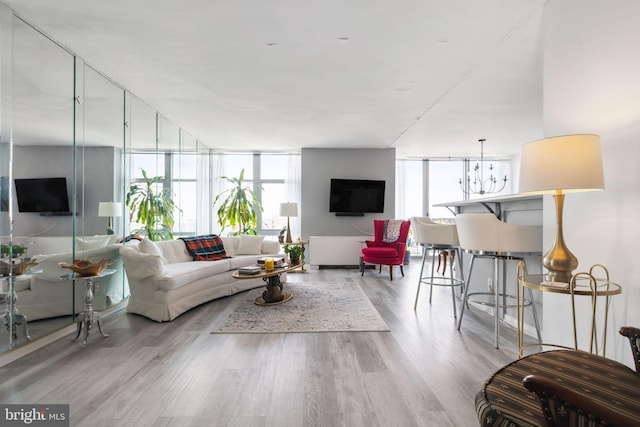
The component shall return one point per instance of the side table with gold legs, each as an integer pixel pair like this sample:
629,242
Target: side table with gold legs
581,284
88,315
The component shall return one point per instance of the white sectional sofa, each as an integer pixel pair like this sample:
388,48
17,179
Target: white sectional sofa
165,281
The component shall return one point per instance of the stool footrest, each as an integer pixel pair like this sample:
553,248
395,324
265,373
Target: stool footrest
441,281
490,302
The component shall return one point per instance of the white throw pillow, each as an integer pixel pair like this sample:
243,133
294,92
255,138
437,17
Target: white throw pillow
250,245
149,247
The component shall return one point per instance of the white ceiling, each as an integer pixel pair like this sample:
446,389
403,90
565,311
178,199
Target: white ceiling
428,77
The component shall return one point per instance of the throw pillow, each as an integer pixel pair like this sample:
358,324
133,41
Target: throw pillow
149,247
205,248
250,245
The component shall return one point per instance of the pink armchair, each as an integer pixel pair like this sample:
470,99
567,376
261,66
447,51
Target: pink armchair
383,252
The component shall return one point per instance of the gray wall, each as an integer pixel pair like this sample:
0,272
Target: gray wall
96,183
319,165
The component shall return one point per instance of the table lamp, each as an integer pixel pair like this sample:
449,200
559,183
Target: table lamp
560,165
288,210
110,209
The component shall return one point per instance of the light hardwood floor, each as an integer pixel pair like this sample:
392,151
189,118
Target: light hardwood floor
422,373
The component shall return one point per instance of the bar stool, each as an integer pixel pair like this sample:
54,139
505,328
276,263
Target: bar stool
486,237
440,239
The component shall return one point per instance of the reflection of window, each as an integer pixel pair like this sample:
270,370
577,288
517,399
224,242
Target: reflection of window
147,161
183,185
177,172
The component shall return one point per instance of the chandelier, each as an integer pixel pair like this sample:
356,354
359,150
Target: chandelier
480,185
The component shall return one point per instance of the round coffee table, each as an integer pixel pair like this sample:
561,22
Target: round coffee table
274,294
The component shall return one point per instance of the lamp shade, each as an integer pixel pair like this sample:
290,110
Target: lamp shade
288,209
110,209
567,163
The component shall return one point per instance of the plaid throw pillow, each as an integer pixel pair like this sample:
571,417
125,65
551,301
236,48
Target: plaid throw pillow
205,248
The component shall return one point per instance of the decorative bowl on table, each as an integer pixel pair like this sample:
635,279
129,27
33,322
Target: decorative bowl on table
18,268
86,267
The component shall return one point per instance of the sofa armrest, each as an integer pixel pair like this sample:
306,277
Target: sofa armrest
139,265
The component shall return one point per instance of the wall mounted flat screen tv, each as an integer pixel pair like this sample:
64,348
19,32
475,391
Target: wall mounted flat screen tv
42,195
356,196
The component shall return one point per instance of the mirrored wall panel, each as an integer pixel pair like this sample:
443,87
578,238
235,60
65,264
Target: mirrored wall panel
75,150
43,183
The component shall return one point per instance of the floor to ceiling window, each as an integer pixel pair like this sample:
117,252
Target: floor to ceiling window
267,174
423,184
443,187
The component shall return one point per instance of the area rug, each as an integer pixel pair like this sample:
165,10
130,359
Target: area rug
315,307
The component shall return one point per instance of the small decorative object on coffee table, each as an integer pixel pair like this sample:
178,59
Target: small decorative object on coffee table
274,293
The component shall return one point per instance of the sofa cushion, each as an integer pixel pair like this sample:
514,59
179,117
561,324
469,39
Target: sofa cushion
271,247
174,251
149,247
182,273
250,245
230,244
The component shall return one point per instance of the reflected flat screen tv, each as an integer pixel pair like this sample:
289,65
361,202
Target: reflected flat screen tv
4,193
42,195
356,196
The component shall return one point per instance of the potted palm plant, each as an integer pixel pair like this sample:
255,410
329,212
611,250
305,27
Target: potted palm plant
238,206
151,208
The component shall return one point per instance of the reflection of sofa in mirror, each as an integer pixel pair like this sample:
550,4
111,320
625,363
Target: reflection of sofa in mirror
45,295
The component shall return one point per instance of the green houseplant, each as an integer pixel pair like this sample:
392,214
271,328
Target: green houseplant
16,250
295,252
151,208
238,206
